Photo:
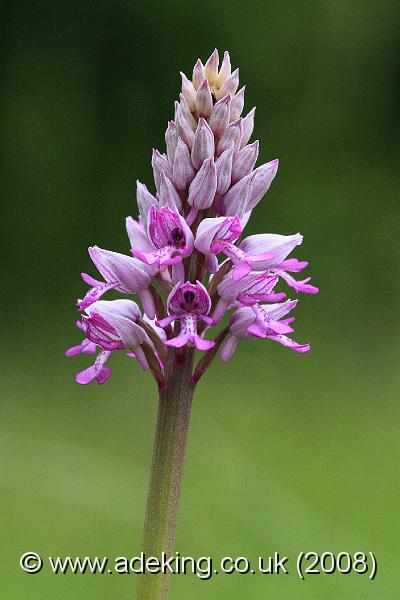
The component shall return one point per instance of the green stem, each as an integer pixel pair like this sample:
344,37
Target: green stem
166,470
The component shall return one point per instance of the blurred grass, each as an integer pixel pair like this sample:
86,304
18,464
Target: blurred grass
286,453
278,459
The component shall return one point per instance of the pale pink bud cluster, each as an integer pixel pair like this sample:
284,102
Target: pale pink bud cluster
188,265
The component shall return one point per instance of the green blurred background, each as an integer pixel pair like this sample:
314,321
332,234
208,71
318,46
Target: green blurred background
286,452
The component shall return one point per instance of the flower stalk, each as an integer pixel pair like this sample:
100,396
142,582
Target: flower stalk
173,417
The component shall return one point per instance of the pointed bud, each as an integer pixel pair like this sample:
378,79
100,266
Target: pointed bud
230,86
211,67
225,70
204,101
183,170
184,129
144,201
223,166
168,194
184,109
160,163
248,126
188,92
244,161
237,104
198,74
231,135
171,139
203,144
220,115
261,180
203,187
236,199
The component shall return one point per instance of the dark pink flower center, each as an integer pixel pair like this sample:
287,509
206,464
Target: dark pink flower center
189,303
177,236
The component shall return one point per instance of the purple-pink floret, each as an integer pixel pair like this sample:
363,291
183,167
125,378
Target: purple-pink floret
170,235
188,263
188,303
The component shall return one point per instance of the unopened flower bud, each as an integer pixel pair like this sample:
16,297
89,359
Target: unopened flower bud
203,187
231,135
262,179
171,139
224,170
211,68
183,170
220,115
248,126
144,201
225,70
168,194
244,161
203,144
237,198
204,101
184,129
237,104
198,74
160,163
188,92
185,111
230,86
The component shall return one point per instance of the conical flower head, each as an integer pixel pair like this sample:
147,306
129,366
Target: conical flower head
191,261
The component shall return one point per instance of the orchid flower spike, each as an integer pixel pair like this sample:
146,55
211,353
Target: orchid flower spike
191,263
